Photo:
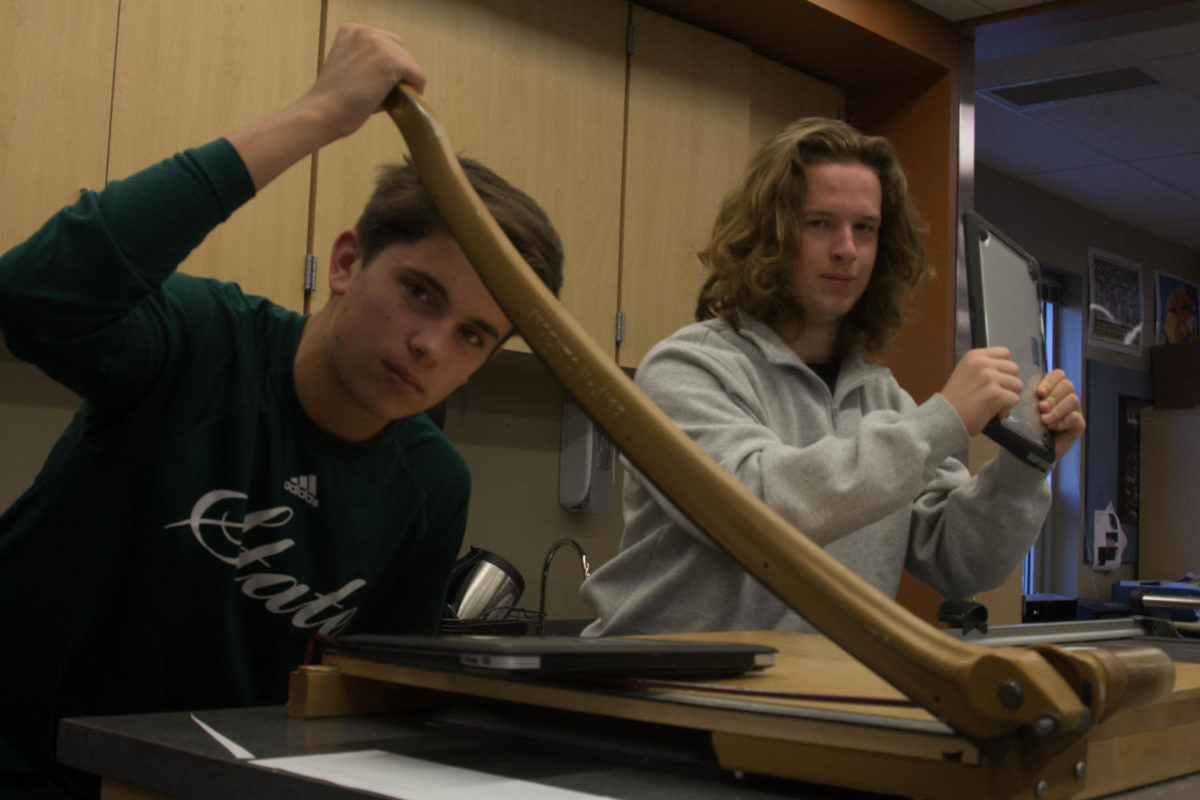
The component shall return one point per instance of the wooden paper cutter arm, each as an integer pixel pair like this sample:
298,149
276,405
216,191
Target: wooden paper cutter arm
1047,696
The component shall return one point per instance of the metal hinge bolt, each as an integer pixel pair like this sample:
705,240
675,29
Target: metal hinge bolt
1010,695
1045,725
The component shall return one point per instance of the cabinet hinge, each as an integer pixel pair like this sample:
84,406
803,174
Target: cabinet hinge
630,40
620,326
310,272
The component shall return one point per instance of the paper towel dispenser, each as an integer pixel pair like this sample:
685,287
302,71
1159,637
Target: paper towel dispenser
585,463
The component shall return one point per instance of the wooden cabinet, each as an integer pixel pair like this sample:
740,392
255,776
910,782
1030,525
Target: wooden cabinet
536,89
96,90
688,132
56,65
532,88
699,105
780,95
56,60
1169,506
187,73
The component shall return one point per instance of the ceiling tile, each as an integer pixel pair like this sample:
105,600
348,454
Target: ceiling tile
1133,156
1181,172
1070,60
1120,192
1180,71
1142,123
1016,145
1161,42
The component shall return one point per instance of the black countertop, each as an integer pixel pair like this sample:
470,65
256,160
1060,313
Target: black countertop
171,754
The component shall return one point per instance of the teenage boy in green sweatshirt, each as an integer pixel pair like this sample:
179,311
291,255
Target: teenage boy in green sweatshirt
239,477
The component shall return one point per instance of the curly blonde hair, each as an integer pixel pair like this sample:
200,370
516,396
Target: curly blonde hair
754,242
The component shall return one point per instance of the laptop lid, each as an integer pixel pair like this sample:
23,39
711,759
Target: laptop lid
1002,288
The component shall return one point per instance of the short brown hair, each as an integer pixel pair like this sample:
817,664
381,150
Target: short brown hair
754,242
402,210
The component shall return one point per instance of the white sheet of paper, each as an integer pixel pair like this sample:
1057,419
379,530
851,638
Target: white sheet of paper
410,778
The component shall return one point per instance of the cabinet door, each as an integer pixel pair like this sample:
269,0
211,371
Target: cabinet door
688,134
1168,537
56,60
187,73
532,88
699,106
780,95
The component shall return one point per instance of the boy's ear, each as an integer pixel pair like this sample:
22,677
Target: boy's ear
343,260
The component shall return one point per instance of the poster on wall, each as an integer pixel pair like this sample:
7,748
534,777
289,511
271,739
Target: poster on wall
1115,303
1175,308
1116,396
1129,455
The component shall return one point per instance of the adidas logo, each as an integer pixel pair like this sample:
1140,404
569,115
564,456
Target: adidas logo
304,487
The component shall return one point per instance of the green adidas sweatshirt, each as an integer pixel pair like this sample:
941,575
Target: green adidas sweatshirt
192,528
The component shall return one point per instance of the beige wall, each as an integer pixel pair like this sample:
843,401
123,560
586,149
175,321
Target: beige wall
506,422
1058,233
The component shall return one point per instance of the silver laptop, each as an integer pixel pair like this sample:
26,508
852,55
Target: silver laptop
1002,286
559,655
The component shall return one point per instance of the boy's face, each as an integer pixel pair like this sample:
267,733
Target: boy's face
410,327
839,235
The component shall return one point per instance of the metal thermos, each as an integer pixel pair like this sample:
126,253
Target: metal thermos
482,585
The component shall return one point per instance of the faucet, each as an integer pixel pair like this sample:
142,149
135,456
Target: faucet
554,548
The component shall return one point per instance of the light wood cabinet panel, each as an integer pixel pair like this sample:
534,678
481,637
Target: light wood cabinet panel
532,88
699,106
780,95
56,61
187,73
1169,506
688,134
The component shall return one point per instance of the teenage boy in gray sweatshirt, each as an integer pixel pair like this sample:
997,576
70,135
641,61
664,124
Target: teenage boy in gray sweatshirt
810,261
239,477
